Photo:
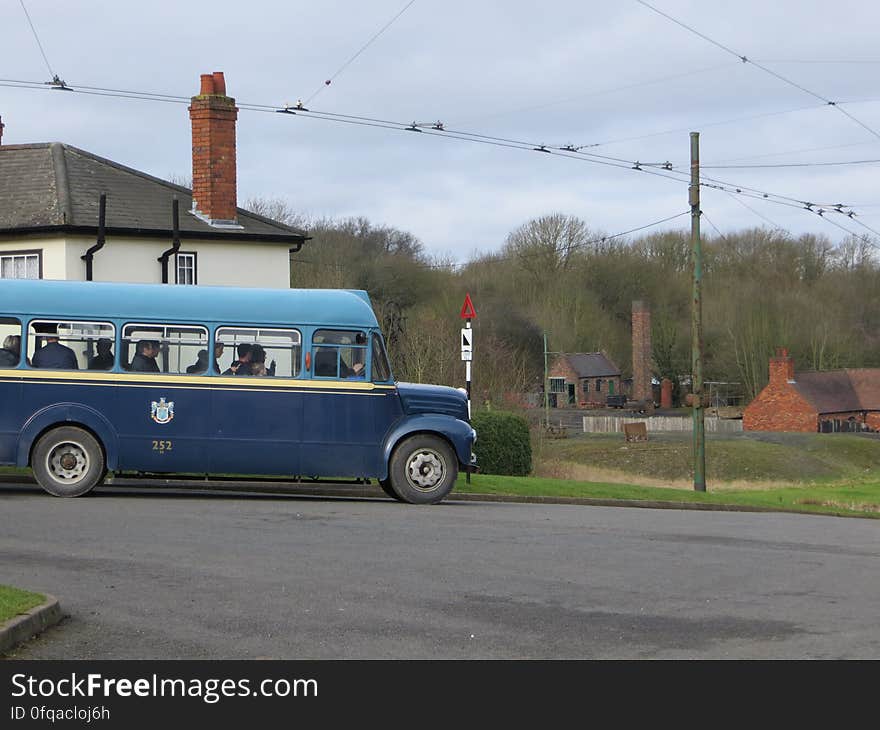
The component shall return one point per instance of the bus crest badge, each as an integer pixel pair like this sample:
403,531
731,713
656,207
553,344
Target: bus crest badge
162,412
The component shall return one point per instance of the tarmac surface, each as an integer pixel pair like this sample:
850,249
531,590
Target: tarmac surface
162,574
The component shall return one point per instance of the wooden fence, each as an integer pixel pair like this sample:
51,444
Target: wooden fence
614,424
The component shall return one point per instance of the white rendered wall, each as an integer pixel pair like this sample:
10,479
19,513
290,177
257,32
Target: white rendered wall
135,260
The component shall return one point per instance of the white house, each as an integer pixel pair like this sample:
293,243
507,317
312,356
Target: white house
52,226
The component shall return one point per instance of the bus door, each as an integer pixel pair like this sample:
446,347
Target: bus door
256,408
339,414
163,410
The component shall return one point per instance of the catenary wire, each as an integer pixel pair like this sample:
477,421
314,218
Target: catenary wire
765,69
675,175
359,52
37,39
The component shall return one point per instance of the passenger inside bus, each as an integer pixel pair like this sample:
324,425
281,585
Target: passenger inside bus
104,359
325,362
53,354
242,366
145,359
218,353
11,352
200,365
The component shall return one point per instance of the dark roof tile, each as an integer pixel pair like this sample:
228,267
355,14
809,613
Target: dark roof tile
56,184
592,364
838,391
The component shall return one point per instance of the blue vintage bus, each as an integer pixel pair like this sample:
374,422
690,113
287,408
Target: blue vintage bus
163,379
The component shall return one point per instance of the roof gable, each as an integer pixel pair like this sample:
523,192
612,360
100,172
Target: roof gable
59,185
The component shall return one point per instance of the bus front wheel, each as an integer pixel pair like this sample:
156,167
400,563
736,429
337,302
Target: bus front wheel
423,469
389,490
68,462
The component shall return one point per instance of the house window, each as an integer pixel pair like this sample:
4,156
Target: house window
21,265
599,385
186,269
557,385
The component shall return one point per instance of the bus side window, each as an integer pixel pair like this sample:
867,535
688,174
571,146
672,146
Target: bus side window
258,351
165,348
381,368
66,345
10,339
339,354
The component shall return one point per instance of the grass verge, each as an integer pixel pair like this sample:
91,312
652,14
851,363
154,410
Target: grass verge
861,500
14,602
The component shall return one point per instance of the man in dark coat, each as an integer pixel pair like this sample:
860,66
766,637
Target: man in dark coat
104,359
145,359
54,355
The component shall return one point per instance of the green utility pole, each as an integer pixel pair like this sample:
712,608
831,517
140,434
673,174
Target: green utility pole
546,387
697,321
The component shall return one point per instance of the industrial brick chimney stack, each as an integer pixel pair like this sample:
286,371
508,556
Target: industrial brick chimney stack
641,346
213,116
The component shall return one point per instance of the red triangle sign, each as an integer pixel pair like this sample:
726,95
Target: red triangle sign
467,309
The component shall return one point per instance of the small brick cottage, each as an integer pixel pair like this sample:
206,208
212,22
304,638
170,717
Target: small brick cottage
813,401
583,379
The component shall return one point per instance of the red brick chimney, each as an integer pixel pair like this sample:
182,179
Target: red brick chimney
781,366
213,116
641,345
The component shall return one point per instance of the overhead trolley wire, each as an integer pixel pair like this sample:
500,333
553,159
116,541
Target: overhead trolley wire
359,52
765,69
664,170
52,74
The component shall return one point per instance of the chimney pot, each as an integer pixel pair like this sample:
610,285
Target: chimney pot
207,85
219,83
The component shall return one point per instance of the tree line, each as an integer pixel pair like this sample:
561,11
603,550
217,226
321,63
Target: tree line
762,288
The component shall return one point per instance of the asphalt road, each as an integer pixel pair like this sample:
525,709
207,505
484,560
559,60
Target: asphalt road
164,575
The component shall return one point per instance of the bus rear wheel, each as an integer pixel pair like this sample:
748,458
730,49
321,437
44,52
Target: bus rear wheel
423,469
68,462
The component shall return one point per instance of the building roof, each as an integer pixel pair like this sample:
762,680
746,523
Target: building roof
54,186
840,391
101,301
591,364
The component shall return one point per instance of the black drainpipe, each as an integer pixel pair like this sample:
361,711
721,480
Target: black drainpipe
175,241
89,255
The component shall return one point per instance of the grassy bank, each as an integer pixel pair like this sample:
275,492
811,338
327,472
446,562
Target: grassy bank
14,601
862,500
734,461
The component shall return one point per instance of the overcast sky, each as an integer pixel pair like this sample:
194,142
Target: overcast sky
552,73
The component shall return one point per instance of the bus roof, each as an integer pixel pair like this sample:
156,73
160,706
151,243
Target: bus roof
171,303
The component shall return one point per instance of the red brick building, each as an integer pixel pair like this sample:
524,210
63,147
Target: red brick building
583,379
833,400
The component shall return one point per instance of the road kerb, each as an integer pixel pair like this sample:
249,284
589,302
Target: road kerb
20,628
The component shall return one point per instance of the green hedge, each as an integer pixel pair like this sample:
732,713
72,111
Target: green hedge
503,444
